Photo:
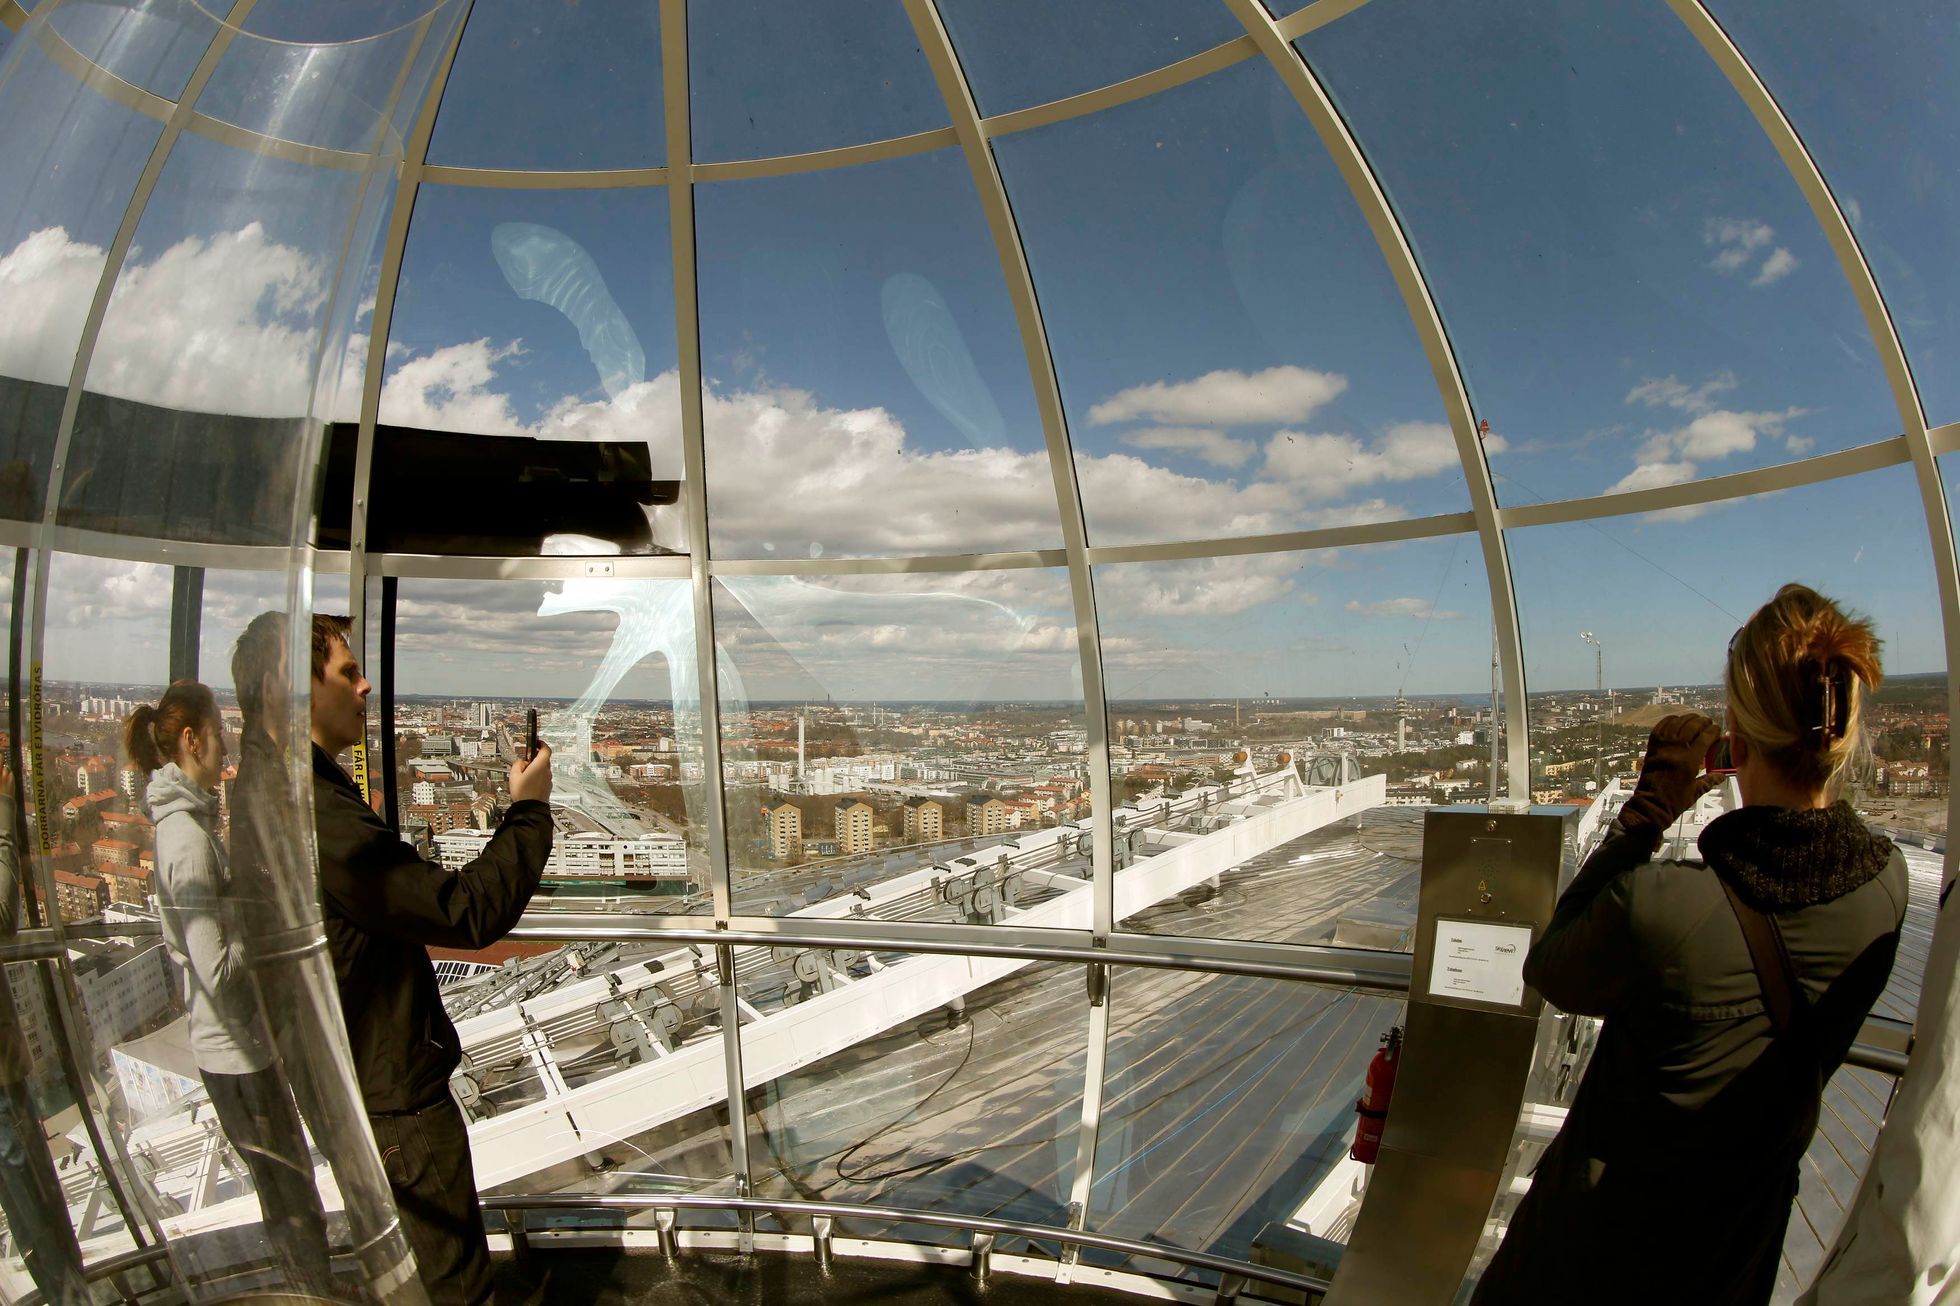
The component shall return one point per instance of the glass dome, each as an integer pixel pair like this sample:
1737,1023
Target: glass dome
1008,515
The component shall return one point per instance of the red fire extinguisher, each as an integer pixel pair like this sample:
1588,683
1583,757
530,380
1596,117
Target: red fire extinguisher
1375,1092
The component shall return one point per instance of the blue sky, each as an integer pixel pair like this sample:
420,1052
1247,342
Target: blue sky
1634,287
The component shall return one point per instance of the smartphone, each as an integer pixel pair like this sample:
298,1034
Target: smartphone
530,733
1719,761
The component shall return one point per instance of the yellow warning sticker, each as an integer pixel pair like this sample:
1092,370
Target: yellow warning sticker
41,822
359,768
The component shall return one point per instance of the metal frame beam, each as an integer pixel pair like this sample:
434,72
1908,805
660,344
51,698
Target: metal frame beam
1402,265
694,492
1202,64
1857,271
937,45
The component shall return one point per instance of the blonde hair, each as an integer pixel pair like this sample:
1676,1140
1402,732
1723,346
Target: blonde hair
1797,676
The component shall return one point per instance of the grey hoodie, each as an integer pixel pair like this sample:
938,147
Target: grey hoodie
228,1033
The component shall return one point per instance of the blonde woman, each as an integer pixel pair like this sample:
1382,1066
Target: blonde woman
1731,989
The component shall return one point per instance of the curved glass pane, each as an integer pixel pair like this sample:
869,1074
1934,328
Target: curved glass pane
905,748
767,79
156,1106
1635,288
54,237
154,45
191,426
608,665
335,97
1277,723
1228,1106
580,91
1025,52
1233,356
857,342
1662,624
56,1193
1657,635
547,316
1849,75
305,23
936,1083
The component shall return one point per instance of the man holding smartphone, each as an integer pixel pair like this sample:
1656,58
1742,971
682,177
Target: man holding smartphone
384,906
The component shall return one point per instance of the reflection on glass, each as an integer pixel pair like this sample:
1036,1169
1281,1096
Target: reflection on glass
767,79
858,343
904,748
1847,75
38,1189
1637,298
1248,699
1228,1105
548,317
608,664
153,45
579,90
938,1083
1233,356
330,96
33,1190
206,357
54,237
1022,53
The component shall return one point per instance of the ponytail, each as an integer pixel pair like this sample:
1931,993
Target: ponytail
152,734
1797,677
139,739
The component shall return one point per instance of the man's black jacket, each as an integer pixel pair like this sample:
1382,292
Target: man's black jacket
385,906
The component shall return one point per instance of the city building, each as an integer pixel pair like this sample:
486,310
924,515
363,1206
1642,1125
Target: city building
657,862
79,897
783,830
925,819
988,814
125,988
852,822
128,885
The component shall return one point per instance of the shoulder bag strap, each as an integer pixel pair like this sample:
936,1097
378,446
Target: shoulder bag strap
1770,957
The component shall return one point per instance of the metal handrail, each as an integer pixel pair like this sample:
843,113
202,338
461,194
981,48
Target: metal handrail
904,1215
106,1268
1883,1044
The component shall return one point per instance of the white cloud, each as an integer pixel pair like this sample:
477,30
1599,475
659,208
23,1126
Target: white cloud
1214,447
226,324
1716,434
1737,242
447,390
1200,587
1675,455
1780,264
1669,392
1405,607
1330,466
1653,475
1225,398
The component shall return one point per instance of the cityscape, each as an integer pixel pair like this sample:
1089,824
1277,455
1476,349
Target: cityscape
823,785
972,813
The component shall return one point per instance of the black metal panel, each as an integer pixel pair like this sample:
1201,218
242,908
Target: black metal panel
452,494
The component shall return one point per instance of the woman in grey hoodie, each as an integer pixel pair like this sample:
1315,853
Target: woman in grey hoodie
179,744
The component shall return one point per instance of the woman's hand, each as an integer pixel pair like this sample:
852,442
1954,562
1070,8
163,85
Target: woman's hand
1671,778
